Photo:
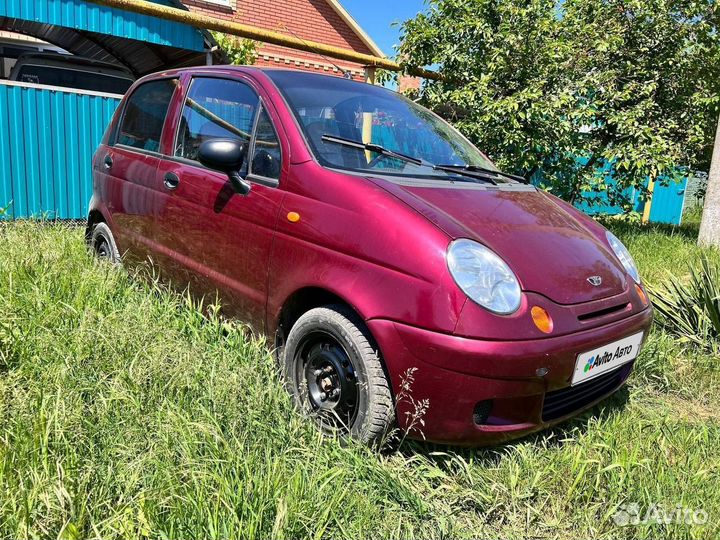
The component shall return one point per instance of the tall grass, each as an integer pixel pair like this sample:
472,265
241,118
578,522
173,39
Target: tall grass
127,412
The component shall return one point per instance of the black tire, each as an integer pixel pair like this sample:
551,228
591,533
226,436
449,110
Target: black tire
102,242
329,352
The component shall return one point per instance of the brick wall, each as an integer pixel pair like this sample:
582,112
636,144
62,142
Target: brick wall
313,20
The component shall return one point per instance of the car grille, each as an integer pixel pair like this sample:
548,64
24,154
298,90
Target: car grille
559,403
603,312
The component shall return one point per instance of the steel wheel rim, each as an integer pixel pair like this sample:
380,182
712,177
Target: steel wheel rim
102,247
327,380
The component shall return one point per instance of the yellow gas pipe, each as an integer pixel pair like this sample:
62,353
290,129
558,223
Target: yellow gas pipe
199,20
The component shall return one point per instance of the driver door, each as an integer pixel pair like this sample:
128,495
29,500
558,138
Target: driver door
211,238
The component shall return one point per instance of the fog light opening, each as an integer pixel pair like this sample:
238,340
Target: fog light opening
482,411
542,319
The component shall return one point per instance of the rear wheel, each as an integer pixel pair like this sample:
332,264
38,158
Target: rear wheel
103,244
336,376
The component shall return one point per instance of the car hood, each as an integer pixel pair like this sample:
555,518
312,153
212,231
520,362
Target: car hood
552,248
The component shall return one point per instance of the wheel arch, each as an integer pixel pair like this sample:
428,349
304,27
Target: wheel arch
301,301
95,216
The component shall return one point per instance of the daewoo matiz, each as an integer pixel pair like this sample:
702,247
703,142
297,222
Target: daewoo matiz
404,279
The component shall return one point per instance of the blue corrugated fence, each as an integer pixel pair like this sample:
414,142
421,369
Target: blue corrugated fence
47,138
665,207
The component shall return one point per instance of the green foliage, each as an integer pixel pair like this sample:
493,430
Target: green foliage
690,308
129,411
569,87
240,52
384,77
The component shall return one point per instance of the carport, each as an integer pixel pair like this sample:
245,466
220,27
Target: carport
48,134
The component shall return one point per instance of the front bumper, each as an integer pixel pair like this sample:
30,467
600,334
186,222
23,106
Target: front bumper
441,381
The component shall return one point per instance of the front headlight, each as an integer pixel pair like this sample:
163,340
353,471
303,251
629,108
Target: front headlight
484,276
623,255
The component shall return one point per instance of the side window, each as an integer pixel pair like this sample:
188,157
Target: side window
144,115
266,154
215,109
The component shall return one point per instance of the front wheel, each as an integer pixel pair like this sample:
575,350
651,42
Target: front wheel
335,374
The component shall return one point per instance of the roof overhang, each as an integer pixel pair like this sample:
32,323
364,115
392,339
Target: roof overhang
352,23
141,43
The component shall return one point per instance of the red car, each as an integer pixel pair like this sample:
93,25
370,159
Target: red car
404,279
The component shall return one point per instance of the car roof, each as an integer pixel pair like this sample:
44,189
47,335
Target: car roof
57,59
231,69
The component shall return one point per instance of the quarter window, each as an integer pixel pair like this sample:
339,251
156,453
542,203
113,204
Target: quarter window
144,115
215,109
266,155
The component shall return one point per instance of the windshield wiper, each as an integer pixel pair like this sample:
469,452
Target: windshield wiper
463,170
470,171
372,147
477,168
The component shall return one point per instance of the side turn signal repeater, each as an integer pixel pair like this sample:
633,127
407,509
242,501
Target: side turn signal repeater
642,295
293,217
542,319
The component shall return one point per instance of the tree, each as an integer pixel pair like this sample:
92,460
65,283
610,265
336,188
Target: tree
572,88
240,52
710,225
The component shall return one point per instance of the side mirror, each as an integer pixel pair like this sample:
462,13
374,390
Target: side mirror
228,156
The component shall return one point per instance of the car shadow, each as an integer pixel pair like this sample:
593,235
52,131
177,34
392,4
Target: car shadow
557,436
224,195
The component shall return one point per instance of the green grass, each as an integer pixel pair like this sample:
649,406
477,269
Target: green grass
124,412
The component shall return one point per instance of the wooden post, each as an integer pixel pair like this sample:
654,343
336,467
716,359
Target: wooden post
367,125
648,202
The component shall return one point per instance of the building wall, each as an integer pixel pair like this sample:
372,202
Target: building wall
313,20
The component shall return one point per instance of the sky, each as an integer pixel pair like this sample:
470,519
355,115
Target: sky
376,18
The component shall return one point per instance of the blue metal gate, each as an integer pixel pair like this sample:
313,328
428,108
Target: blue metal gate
668,202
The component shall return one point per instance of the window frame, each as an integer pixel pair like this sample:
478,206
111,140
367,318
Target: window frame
264,180
221,3
113,142
253,141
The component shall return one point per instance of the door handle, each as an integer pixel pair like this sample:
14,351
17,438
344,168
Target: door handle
108,161
171,180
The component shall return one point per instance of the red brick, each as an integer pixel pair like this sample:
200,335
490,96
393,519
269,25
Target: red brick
312,20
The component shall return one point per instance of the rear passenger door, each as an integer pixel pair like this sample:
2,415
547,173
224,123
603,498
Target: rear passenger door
130,166
211,237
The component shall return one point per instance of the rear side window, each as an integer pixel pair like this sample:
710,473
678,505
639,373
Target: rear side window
144,115
215,109
74,78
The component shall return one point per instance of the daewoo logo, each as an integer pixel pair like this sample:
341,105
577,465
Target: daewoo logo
595,281
607,356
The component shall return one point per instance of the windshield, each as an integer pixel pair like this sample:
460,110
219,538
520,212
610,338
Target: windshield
328,108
